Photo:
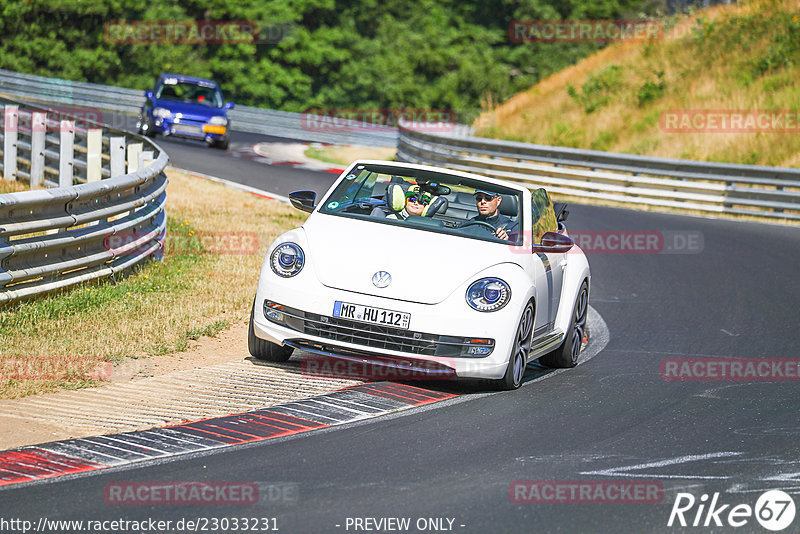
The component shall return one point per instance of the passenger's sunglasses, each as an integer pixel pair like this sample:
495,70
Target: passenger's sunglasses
480,197
423,200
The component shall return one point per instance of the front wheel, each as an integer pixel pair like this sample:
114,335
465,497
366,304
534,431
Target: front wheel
566,355
517,360
265,350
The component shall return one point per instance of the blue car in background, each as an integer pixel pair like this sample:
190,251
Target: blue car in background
185,106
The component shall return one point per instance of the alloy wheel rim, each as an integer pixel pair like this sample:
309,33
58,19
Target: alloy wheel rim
579,328
523,344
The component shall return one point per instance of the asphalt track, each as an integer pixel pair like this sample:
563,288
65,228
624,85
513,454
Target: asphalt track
614,418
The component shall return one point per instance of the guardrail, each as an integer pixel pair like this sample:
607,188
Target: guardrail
87,227
286,124
768,192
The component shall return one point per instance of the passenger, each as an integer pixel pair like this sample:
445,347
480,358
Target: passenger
415,204
488,204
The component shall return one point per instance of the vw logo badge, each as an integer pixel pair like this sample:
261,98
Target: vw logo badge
381,279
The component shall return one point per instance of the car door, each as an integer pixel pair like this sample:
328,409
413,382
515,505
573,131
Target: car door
544,220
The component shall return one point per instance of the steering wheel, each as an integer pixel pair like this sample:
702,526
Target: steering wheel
478,223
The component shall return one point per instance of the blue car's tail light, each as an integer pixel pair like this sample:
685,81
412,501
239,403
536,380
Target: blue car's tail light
488,294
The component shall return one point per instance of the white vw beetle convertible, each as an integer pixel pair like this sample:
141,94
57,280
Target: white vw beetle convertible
426,269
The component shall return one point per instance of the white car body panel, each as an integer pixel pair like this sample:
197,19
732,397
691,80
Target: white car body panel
430,275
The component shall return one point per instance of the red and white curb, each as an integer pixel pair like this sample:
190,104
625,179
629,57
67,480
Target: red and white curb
286,154
59,458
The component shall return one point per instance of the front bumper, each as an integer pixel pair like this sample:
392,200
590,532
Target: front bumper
436,339
190,129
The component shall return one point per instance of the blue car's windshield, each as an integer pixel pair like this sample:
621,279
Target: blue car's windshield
190,92
428,201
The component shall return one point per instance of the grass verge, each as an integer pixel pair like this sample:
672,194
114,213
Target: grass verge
12,186
345,155
217,238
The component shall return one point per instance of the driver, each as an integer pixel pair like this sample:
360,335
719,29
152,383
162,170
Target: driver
488,204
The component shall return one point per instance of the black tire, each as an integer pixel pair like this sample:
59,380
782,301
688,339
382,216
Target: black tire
145,126
223,144
262,349
566,355
519,352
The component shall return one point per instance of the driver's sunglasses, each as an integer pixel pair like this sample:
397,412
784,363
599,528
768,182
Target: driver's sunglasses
480,197
423,200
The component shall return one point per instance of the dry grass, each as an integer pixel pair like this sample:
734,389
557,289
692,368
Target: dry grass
12,186
737,57
345,155
66,340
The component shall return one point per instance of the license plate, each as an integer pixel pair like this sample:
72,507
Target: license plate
187,129
368,314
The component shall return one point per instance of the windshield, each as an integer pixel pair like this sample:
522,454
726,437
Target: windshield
430,202
195,93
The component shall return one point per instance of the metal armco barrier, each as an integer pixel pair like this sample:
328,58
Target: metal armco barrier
300,126
58,237
769,192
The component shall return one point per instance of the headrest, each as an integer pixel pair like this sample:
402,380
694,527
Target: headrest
508,205
437,205
395,198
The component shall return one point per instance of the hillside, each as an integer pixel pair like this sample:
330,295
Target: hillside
306,54
657,97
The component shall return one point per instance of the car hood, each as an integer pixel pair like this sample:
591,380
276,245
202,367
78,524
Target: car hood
190,110
426,267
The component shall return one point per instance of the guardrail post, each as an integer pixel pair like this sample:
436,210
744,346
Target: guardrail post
94,149
38,126
10,128
133,156
145,158
66,154
116,149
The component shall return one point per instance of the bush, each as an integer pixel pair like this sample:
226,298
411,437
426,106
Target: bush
598,88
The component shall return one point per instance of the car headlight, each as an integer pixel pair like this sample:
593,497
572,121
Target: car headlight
218,120
162,113
488,294
287,260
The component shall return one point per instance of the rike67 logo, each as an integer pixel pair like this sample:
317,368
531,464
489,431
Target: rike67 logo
774,510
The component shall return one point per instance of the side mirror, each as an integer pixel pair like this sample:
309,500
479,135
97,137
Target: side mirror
561,211
148,95
303,200
554,243
228,105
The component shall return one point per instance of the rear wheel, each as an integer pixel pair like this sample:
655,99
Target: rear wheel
566,355
263,349
519,352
